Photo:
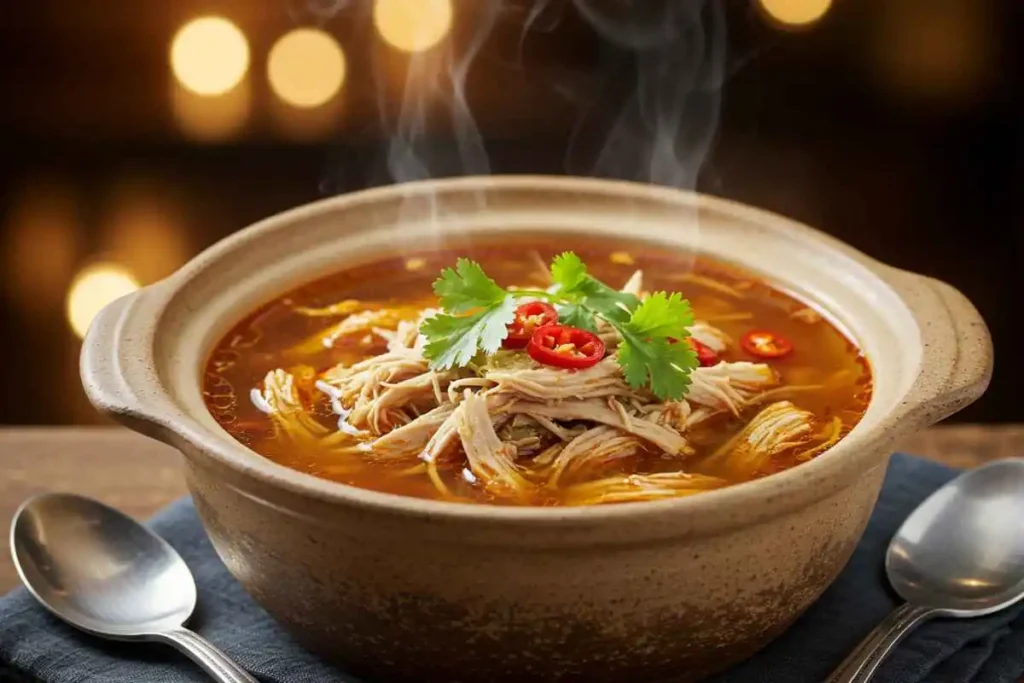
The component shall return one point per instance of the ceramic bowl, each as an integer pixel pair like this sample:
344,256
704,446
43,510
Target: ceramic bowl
405,589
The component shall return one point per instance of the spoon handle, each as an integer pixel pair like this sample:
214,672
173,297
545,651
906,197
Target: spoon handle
862,663
214,662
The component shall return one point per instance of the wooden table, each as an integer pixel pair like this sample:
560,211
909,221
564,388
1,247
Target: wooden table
138,475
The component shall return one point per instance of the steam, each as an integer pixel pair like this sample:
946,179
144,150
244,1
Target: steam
455,147
652,119
662,130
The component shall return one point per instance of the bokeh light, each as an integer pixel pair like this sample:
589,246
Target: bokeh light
413,25
212,118
40,240
144,227
209,55
945,56
93,288
306,68
795,13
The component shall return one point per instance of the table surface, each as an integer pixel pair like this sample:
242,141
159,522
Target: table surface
139,475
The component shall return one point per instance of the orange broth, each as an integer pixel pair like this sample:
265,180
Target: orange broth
721,295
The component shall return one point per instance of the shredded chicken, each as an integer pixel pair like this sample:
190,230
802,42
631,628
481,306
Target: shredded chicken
546,383
523,433
442,439
639,487
359,323
415,390
563,433
592,450
490,460
609,335
710,336
672,414
635,284
409,440
730,386
593,410
279,398
407,334
778,428
526,431
447,432
360,387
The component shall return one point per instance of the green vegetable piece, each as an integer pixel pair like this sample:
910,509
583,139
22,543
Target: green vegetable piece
454,340
467,287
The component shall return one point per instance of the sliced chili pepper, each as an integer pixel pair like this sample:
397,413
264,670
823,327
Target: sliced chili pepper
766,344
565,347
528,318
706,355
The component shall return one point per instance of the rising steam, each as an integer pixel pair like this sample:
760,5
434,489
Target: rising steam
652,119
437,79
660,131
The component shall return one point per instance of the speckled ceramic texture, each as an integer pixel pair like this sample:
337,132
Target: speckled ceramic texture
404,589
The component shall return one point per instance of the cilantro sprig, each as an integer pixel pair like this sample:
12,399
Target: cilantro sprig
477,311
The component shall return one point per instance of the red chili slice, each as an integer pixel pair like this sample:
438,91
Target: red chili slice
766,345
705,354
565,347
529,317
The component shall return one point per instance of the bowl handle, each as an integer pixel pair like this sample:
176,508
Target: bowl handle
957,359
116,351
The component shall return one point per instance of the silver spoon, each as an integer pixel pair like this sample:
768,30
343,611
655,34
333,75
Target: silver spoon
107,575
959,554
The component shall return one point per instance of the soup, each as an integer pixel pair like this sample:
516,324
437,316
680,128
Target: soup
513,374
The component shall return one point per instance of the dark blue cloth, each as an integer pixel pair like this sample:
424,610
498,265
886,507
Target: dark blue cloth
36,647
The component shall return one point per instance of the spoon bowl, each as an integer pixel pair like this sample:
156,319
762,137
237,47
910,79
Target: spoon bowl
962,550
98,569
959,554
105,574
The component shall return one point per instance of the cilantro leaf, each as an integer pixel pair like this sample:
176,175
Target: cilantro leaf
477,312
611,304
575,315
568,271
467,287
664,365
575,286
646,353
454,340
662,315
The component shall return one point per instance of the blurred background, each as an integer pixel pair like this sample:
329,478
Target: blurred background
136,134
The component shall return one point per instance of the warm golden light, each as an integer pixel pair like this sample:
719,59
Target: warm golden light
144,228
93,288
943,55
796,12
413,25
306,68
209,55
306,124
212,118
39,242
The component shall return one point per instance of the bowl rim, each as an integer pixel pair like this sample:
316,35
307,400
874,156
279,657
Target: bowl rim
856,454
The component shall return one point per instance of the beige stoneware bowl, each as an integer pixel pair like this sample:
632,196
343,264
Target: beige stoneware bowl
405,589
